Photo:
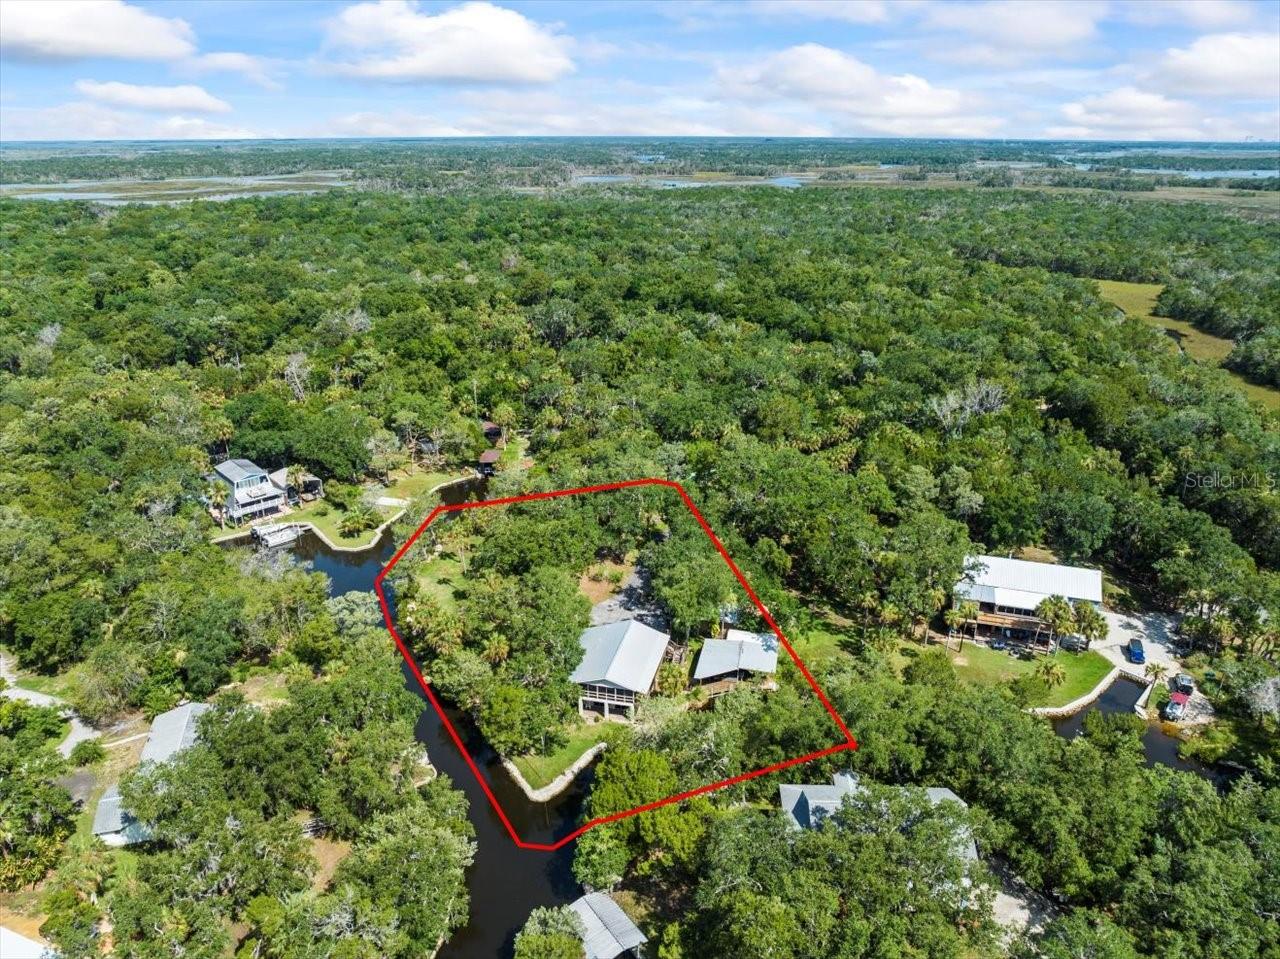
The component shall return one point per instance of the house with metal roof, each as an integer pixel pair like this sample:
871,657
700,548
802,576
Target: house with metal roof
608,932
14,945
619,665
310,487
171,733
1008,591
250,493
736,655
808,806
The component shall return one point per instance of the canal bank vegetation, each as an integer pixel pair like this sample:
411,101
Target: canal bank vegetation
1084,821
858,387
229,869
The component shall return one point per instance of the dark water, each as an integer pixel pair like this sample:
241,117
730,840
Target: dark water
1160,748
506,882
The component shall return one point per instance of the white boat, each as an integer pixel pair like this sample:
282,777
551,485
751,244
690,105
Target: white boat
272,535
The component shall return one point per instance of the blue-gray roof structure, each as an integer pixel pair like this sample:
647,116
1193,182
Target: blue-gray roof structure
233,471
608,931
807,806
171,732
738,650
625,655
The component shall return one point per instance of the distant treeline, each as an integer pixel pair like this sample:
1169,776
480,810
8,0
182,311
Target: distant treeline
547,160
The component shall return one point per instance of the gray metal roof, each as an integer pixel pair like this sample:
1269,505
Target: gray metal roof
755,652
172,732
807,806
235,470
1022,585
625,654
110,818
609,932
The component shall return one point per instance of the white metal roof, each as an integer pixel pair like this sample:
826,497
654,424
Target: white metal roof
756,652
625,654
172,732
1022,585
14,945
609,932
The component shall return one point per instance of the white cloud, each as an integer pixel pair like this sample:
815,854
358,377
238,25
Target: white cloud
1202,14
157,99
849,11
838,84
1128,113
82,29
1010,32
254,69
1224,64
399,123
474,42
81,120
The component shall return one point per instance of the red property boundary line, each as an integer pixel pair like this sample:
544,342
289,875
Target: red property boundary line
849,741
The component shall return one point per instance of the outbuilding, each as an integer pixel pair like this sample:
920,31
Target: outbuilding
737,655
608,930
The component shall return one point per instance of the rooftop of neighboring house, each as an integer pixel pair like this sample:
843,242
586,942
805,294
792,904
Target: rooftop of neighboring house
1019,584
233,471
609,932
807,806
737,649
625,654
171,732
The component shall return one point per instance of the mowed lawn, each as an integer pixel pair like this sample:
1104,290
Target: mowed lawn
538,771
983,666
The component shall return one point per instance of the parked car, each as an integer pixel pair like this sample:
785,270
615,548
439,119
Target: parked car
1176,707
999,644
1137,654
1073,644
1182,683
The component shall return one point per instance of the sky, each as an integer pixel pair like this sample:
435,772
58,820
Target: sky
1058,69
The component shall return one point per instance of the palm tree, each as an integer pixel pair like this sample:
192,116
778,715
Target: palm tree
294,477
496,649
953,619
1090,623
1156,671
968,611
215,493
1052,672
1056,613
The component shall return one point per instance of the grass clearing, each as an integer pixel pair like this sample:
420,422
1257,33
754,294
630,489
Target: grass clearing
603,579
989,667
539,771
441,577
1138,300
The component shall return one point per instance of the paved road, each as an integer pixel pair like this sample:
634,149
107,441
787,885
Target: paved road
79,730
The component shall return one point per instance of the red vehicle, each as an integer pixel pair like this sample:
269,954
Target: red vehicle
1176,707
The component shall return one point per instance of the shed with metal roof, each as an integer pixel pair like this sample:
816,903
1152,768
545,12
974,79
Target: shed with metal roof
608,931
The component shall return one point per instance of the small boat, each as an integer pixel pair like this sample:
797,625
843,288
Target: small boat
273,535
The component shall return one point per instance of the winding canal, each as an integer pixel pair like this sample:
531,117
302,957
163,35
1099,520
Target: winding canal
506,882
1159,747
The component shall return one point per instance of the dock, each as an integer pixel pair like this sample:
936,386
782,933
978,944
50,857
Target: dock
273,535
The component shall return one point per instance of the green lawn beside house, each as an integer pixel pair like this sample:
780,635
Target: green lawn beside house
538,771
983,666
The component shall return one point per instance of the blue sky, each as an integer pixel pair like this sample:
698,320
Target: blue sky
1111,69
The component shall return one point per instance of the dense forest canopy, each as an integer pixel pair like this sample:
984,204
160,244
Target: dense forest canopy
857,386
